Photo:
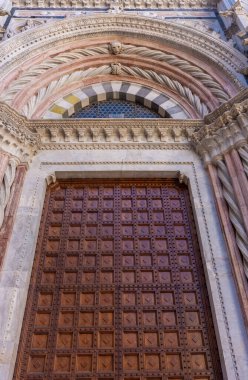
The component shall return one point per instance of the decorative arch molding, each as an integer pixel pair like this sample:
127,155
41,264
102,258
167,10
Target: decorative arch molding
205,67
69,104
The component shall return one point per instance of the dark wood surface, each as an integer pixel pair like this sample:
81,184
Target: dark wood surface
117,289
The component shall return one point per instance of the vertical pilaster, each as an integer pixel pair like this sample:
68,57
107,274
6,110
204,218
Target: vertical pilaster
4,158
11,208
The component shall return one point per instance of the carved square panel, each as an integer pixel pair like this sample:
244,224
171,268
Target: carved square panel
91,230
159,230
39,341
86,319
147,276
155,191
76,217
56,217
129,299
58,203
163,260
127,244
107,277
107,245
42,319
36,363
71,261
92,203
76,203
126,216
70,278
164,277
92,216
84,363
130,319
130,339
64,340
68,299
45,299
105,363
149,318
90,245
175,203
73,245
144,244
107,261
179,230
108,203
107,299
78,193
157,203
198,361
88,277
171,339
183,260
141,191
48,278
54,231
126,191
167,298
181,244
131,362
148,298
143,229
106,339
142,216
169,318
52,245
128,260
141,203
108,216
158,216
189,298
128,277
160,244
89,260
66,319
93,191
150,339
106,318
152,362
85,340
192,318
194,338
108,191
145,260
186,277
87,299
127,230
126,203
107,230
177,216
62,363
173,362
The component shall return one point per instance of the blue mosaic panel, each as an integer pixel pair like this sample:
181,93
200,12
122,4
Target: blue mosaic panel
120,109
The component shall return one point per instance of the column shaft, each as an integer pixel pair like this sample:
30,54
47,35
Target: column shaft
4,158
243,181
237,189
236,259
11,208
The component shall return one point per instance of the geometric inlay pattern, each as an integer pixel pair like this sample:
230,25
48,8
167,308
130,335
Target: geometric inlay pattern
115,109
117,289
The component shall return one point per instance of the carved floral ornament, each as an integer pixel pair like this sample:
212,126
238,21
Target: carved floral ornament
198,88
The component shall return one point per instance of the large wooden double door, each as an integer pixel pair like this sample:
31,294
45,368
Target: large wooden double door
117,289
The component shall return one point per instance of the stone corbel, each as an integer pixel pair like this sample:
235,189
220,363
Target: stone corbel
51,178
182,178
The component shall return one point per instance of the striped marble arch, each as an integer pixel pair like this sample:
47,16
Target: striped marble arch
65,107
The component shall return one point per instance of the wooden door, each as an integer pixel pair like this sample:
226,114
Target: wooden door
117,289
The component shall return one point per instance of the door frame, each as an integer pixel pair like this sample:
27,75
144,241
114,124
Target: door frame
49,165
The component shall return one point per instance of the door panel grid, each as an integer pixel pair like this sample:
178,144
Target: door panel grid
117,289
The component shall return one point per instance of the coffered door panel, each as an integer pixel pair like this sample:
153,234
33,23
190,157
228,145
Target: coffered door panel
117,289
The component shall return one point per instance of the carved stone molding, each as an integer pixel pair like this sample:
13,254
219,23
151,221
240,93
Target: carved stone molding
229,129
